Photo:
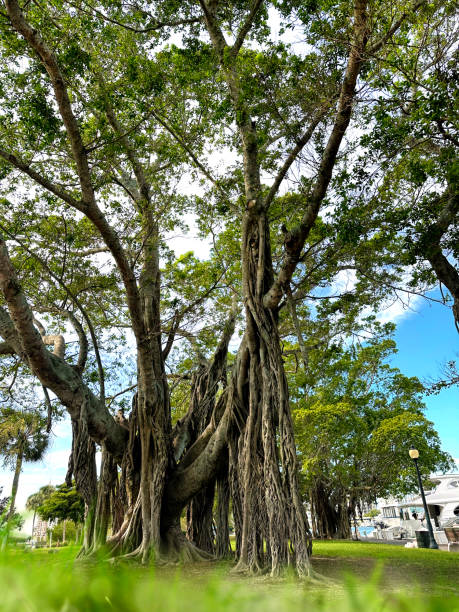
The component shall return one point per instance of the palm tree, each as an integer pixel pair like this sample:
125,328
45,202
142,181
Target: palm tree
23,437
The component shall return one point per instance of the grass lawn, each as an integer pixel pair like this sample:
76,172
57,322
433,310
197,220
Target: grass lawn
363,578
434,571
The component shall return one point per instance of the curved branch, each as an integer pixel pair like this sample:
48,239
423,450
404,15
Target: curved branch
58,342
60,92
77,303
53,372
88,205
82,342
57,190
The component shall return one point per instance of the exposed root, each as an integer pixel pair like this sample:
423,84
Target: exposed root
316,578
249,569
189,553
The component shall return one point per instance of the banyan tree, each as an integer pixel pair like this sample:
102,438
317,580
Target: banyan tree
107,109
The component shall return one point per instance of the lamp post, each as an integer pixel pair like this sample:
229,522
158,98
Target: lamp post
414,454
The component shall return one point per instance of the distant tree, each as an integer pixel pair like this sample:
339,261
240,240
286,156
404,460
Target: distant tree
23,437
64,503
3,502
355,419
372,513
6,524
37,499
66,531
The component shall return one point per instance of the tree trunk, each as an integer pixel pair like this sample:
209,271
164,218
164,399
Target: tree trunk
200,519
222,539
108,475
14,488
272,510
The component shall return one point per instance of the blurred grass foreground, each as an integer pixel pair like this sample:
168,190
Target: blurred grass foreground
361,577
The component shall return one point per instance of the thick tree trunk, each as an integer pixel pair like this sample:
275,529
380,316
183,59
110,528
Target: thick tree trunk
272,510
331,513
324,512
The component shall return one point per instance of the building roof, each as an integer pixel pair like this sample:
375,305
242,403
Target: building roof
446,492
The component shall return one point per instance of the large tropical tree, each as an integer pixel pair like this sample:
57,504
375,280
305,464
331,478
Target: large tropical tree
355,419
105,108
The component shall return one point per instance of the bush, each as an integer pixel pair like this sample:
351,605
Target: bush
372,513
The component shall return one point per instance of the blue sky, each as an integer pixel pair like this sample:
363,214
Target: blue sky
426,339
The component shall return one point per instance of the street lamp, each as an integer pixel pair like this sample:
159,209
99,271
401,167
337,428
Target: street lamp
414,454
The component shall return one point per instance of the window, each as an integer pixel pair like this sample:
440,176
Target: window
389,512
456,510
453,484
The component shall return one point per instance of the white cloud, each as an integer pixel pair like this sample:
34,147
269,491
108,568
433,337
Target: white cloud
396,311
393,311
62,428
57,460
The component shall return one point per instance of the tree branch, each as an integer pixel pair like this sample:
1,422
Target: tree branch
53,372
376,46
157,26
90,208
43,181
295,240
60,92
301,143
6,348
82,343
77,303
245,28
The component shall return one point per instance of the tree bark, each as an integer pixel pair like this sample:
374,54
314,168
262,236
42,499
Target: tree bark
14,488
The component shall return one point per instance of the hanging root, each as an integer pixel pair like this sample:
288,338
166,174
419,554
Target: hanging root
189,553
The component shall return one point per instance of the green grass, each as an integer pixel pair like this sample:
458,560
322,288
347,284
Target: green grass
432,571
380,578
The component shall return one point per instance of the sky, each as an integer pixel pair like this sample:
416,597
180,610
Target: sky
426,338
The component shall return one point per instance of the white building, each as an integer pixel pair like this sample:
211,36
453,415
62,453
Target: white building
442,501
402,518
